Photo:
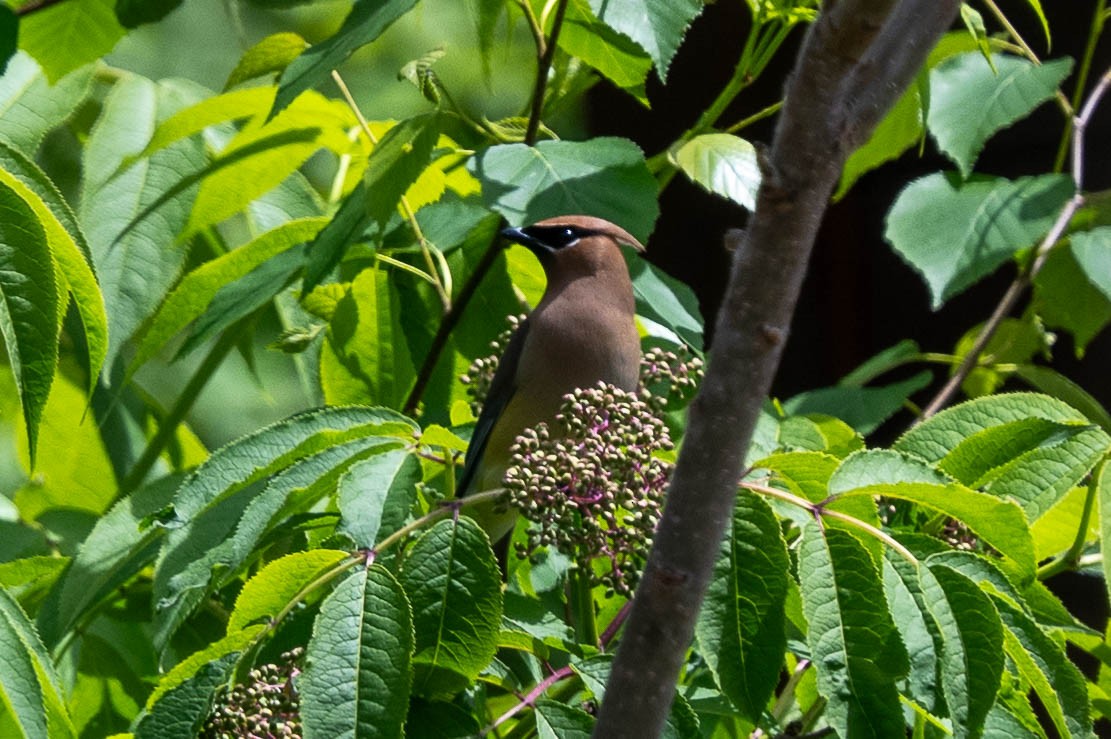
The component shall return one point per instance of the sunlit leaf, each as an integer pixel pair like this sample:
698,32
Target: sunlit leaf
723,164
30,107
65,36
658,26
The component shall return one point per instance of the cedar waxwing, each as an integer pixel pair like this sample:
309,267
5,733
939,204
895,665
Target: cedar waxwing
583,331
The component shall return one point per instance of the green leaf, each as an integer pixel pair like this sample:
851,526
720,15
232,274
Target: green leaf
439,720
955,233
183,697
1092,251
667,301
273,54
202,114
134,13
1065,297
138,262
604,177
277,584
971,645
910,613
896,132
863,408
197,289
999,523
376,495
396,162
1015,341
723,164
1053,383
358,669
1042,664
854,644
65,36
120,544
29,306
658,26
740,629
68,248
28,686
345,228
974,23
453,582
611,53
366,22
210,548
30,107
969,101
1103,491
560,721
365,358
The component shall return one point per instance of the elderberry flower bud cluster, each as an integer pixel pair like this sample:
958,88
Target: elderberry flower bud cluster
267,707
592,487
480,375
666,375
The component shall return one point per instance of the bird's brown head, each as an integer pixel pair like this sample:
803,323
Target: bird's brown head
574,242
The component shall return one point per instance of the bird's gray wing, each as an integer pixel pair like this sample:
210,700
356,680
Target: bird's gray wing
502,388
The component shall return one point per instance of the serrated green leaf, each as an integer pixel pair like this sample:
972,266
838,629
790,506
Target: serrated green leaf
1102,484
556,720
1053,383
1056,531
741,628
358,669
365,357
275,585
954,233
120,544
1015,341
195,292
920,635
971,645
134,13
657,26
375,496
722,163
273,54
888,359
1042,664
1092,251
210,111
396,162
969,101
183,697
345,228
30,107
855,646
999,523
208,549
28,686
366,22
1065,298
136,264
68,248
862,408
667,301
29,302
613,54
453,582
605,177
65,36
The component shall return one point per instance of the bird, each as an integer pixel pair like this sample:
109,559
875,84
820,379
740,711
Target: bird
582,331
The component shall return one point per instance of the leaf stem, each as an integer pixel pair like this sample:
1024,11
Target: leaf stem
167,427
1025,278
1071,558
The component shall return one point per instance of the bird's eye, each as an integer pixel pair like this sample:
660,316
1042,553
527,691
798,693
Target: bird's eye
555,237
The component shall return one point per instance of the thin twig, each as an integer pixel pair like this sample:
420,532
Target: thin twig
1062,99
1025,278
545,50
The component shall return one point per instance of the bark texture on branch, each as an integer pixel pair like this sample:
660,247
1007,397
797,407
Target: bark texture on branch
856,60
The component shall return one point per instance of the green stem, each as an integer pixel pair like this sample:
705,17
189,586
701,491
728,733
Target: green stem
581,598
189,394
1071,558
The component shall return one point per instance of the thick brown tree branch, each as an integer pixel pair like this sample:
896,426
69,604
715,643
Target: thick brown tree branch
856,60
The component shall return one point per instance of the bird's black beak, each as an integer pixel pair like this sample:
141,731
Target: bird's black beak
537,247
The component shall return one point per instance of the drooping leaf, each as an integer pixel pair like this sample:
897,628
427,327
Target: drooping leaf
854,644
722,163
604,177
741,628
273,54
358,668
969,101
453,582
136,265
29,306
920,634
658,26
275,586
375,496
954,233
366,22
971,646
1064,297
69,35
30,107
